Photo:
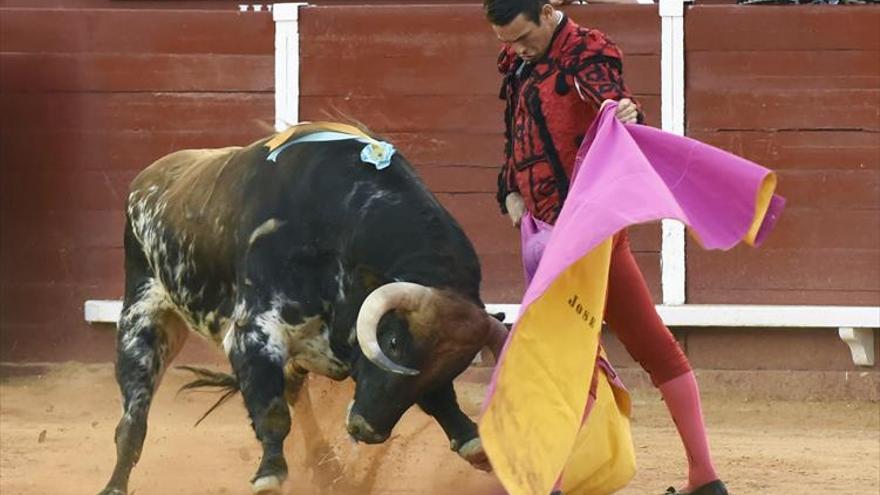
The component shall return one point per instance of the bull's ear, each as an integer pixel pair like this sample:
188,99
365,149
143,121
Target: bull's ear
369,278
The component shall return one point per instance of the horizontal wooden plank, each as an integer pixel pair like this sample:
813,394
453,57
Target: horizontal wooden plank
803,28
634,28
369,72
452,32
459,179
78,150
807,228
71,340
840,190
226,5
210,112
130,31
784,70
419,114
784,269
75,150
800,150
823,109
53,305
787,296
116,72
64,229
444,148
50,190
502,278
55,265
482,114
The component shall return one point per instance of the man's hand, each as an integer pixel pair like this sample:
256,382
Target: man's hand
516,207
627,111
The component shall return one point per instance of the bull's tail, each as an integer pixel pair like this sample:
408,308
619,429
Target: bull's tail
205,378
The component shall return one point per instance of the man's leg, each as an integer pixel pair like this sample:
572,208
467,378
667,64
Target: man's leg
631,315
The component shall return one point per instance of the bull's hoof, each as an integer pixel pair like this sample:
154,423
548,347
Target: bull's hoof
267,485
472,451
112,491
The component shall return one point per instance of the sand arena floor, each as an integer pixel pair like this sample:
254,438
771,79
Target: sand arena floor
56,437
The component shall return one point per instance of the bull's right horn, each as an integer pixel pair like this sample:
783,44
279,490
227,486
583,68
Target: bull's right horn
403,295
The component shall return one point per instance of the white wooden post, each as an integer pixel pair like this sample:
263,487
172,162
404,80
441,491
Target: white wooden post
286,17
672,254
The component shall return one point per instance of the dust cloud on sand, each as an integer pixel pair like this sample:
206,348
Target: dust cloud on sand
57,422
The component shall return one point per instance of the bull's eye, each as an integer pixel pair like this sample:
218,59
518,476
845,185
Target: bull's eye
393,343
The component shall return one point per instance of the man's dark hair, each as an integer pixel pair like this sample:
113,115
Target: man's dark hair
503,12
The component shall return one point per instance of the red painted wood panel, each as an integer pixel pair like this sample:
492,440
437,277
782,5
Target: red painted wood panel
87,99
427,114
451,32
76,151
133,31
226,5
133,72
797,90
799,150
88,104
804,28
794,109
208,112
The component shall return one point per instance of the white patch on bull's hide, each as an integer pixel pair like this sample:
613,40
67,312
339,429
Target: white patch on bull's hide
241,313
348,414
267,485
148,313
341,280
307,343
388,197
229,339
273,327
266,228
369,188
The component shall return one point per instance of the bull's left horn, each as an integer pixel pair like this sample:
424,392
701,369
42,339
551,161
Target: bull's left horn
404,295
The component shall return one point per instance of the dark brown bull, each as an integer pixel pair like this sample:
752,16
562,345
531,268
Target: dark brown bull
299,257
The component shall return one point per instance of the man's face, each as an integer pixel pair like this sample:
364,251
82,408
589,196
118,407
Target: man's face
529,40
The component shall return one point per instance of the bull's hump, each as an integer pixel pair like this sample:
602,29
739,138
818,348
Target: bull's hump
183,167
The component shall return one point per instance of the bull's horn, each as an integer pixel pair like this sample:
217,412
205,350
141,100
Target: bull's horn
404,295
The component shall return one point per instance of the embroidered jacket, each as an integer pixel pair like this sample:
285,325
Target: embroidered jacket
550,105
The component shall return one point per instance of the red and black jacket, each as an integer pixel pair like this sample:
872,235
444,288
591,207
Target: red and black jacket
550,106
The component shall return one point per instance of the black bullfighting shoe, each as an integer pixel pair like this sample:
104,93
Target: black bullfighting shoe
712,488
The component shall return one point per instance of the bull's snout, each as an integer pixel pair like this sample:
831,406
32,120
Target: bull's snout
361,431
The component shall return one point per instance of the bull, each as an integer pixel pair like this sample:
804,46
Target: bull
316,250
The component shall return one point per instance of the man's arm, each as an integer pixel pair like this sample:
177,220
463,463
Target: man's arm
600,78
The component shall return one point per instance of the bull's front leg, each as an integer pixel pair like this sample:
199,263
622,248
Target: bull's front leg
443,406
258,361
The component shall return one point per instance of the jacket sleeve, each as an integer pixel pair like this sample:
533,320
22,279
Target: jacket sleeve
507,173
598,74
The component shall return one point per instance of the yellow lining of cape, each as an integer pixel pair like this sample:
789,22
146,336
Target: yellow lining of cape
533,428
762,204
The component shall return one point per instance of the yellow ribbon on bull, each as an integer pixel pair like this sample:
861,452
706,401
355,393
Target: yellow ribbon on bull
305,128
533,429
